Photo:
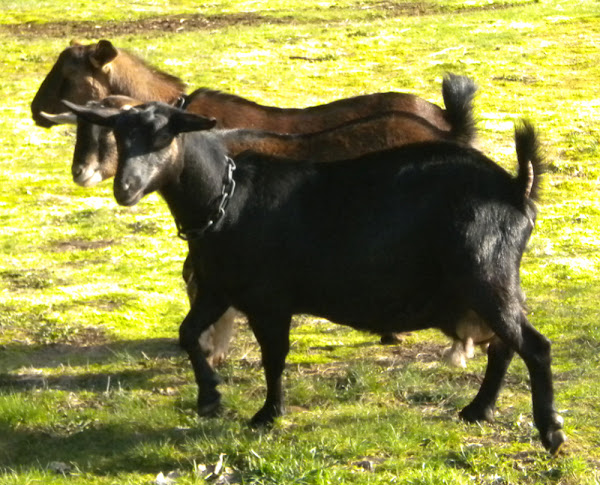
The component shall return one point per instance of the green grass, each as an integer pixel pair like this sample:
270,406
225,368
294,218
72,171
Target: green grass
91,380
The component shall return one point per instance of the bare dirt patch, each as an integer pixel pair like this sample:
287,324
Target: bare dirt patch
80,245
426,8
178,23
30,279
193,22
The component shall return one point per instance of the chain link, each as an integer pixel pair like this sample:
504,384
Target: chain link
227,192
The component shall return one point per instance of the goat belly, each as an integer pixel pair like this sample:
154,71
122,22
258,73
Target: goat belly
366,303
375,293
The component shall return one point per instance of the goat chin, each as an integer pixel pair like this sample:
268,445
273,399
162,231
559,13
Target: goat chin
89,179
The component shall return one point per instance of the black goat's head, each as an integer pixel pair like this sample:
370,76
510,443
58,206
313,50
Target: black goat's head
145,136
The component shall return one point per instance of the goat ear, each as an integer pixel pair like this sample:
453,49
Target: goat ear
98,116
182,121
103,53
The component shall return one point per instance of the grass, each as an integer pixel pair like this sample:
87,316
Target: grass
93,387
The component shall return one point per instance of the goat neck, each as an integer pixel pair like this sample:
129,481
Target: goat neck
200,178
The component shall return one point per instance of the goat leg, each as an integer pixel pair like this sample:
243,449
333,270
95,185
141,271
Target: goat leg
205,310
482,406
214,341
273,337
503,313
223,330
535,352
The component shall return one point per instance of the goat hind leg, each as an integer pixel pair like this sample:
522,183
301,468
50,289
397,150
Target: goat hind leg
535,351
223,330
504,314
482,406
214,341
274,340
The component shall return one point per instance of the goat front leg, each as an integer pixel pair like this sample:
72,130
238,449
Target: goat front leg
273,335
205,310
214,341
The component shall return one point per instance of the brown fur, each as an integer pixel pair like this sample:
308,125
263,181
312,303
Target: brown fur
355,138
233,111
91,72
378,132
85,73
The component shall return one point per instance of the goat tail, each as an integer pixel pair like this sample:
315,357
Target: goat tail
531,161
458,93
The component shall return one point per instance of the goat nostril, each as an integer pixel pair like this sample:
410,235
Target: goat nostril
77,171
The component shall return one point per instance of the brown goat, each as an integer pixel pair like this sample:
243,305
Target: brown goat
233,111
95,155
84,73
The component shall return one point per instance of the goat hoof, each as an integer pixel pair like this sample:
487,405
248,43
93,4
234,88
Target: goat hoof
391,338
208,407
473,414
554,440
265,417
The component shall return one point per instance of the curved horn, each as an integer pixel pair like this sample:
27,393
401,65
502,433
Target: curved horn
99,116
67,118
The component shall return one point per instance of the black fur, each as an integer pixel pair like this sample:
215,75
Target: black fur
410,238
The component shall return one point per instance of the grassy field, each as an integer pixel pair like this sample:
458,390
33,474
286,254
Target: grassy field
93,388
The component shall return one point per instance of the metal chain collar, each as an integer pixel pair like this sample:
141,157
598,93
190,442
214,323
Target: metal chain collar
226,193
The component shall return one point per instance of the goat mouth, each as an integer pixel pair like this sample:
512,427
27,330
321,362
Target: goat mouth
129,199
89,178
42,122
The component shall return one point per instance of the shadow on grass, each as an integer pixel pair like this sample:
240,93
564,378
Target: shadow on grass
138,362
104,449
16,355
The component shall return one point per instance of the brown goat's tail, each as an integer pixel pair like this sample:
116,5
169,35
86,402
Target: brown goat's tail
458,93
531,162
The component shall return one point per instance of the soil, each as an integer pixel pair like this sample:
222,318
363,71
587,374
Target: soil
183,23
179,23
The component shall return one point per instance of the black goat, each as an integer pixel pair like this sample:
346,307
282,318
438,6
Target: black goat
95,159
416,237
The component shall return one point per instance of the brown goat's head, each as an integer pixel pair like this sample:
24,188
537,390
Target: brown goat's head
85,73
95,155
79,75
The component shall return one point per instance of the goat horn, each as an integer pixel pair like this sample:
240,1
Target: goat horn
61,118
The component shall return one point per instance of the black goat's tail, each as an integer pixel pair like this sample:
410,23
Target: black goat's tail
531,161
458,93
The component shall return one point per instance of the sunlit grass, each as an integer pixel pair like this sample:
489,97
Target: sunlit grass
91,293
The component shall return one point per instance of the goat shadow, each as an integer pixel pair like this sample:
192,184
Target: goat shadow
20,364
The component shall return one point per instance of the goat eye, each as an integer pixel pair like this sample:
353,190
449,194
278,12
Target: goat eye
162,139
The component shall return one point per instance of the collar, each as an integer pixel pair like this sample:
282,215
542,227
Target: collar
226,193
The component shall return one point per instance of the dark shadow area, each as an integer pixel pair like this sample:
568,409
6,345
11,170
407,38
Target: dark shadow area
103,449
138,379
17,355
